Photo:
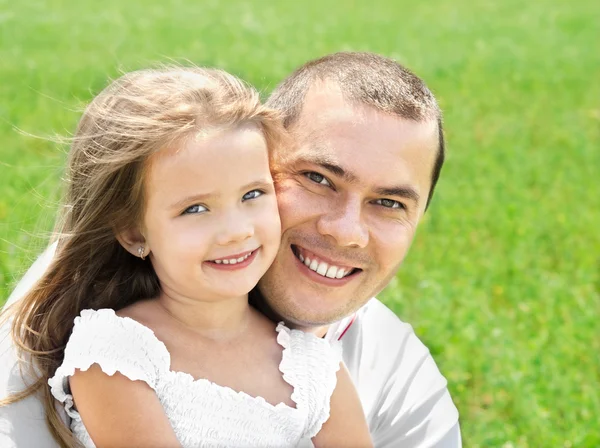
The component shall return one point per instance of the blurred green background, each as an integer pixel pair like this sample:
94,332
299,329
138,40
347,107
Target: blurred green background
502,283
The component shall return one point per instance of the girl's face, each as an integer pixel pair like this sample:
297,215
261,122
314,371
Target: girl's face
211,221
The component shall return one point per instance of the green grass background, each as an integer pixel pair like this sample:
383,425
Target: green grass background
502,281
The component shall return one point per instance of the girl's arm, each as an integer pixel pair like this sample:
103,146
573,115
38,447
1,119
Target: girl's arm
119,412
346,425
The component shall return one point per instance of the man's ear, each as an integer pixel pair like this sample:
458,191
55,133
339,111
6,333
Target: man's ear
134,242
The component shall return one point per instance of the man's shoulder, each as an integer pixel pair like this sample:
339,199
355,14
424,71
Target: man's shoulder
376,324
374,313
22,423
404,395
33,274
378,338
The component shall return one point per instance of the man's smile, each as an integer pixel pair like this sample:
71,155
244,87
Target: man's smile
324,267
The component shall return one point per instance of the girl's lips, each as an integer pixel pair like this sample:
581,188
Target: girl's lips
236,266
233,257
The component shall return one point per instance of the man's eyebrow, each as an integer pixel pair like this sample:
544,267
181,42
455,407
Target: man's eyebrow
330,165
401,191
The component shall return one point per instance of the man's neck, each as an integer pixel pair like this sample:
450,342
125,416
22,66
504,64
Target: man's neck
317,331
257,300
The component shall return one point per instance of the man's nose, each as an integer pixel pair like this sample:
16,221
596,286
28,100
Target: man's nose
345,224
236,227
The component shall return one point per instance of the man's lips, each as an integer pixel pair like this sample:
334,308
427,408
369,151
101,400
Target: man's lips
323,266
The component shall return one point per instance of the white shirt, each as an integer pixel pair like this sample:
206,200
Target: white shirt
204,414
404,396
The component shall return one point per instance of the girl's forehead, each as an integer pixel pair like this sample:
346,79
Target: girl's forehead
222,161
205,136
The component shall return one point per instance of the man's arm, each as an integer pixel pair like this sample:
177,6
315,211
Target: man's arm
22,424
33,274
346,425
404,395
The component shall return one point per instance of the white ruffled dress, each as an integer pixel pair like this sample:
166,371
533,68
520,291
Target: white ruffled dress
202,413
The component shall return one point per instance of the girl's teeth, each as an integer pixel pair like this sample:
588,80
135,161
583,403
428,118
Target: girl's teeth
234,260
340,273
314,265
301,258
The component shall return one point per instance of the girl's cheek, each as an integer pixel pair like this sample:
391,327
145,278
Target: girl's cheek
271,220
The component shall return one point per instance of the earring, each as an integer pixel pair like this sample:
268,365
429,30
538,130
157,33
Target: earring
141,252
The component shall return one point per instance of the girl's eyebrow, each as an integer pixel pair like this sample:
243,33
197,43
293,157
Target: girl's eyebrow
193,198
261,183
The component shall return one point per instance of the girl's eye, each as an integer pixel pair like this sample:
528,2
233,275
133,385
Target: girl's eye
389,203
252,195
317,178
194,209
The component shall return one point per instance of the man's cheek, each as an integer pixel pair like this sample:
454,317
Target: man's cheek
393,253
289,198
297,205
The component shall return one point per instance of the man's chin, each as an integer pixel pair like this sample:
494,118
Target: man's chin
311,313
303,304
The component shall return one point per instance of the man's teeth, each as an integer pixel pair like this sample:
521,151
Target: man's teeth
233,260
323,268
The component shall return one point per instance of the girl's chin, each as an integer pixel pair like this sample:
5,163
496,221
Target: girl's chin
218,294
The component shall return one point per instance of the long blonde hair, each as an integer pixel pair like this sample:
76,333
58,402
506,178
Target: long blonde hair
134,117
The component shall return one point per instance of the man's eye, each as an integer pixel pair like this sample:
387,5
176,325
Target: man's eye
194,209
252,195
317,178
389,203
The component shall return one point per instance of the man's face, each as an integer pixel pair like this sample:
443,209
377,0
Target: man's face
351,194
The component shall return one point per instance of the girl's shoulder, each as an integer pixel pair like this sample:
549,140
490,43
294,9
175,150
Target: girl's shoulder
115,343
98,322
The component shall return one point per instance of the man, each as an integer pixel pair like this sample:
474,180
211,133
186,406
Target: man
352,190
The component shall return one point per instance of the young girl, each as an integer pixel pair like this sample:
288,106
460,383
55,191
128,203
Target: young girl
141,326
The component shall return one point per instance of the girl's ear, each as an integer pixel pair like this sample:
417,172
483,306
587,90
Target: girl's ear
134,242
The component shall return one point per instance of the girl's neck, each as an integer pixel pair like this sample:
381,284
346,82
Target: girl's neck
220,321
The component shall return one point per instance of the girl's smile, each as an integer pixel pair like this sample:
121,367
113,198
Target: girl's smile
233,262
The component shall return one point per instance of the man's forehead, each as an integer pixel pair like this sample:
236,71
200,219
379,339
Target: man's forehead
316,132
323,155
325,102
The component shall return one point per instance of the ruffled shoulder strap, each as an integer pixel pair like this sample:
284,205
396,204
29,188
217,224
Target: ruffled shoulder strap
116,344
310,364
